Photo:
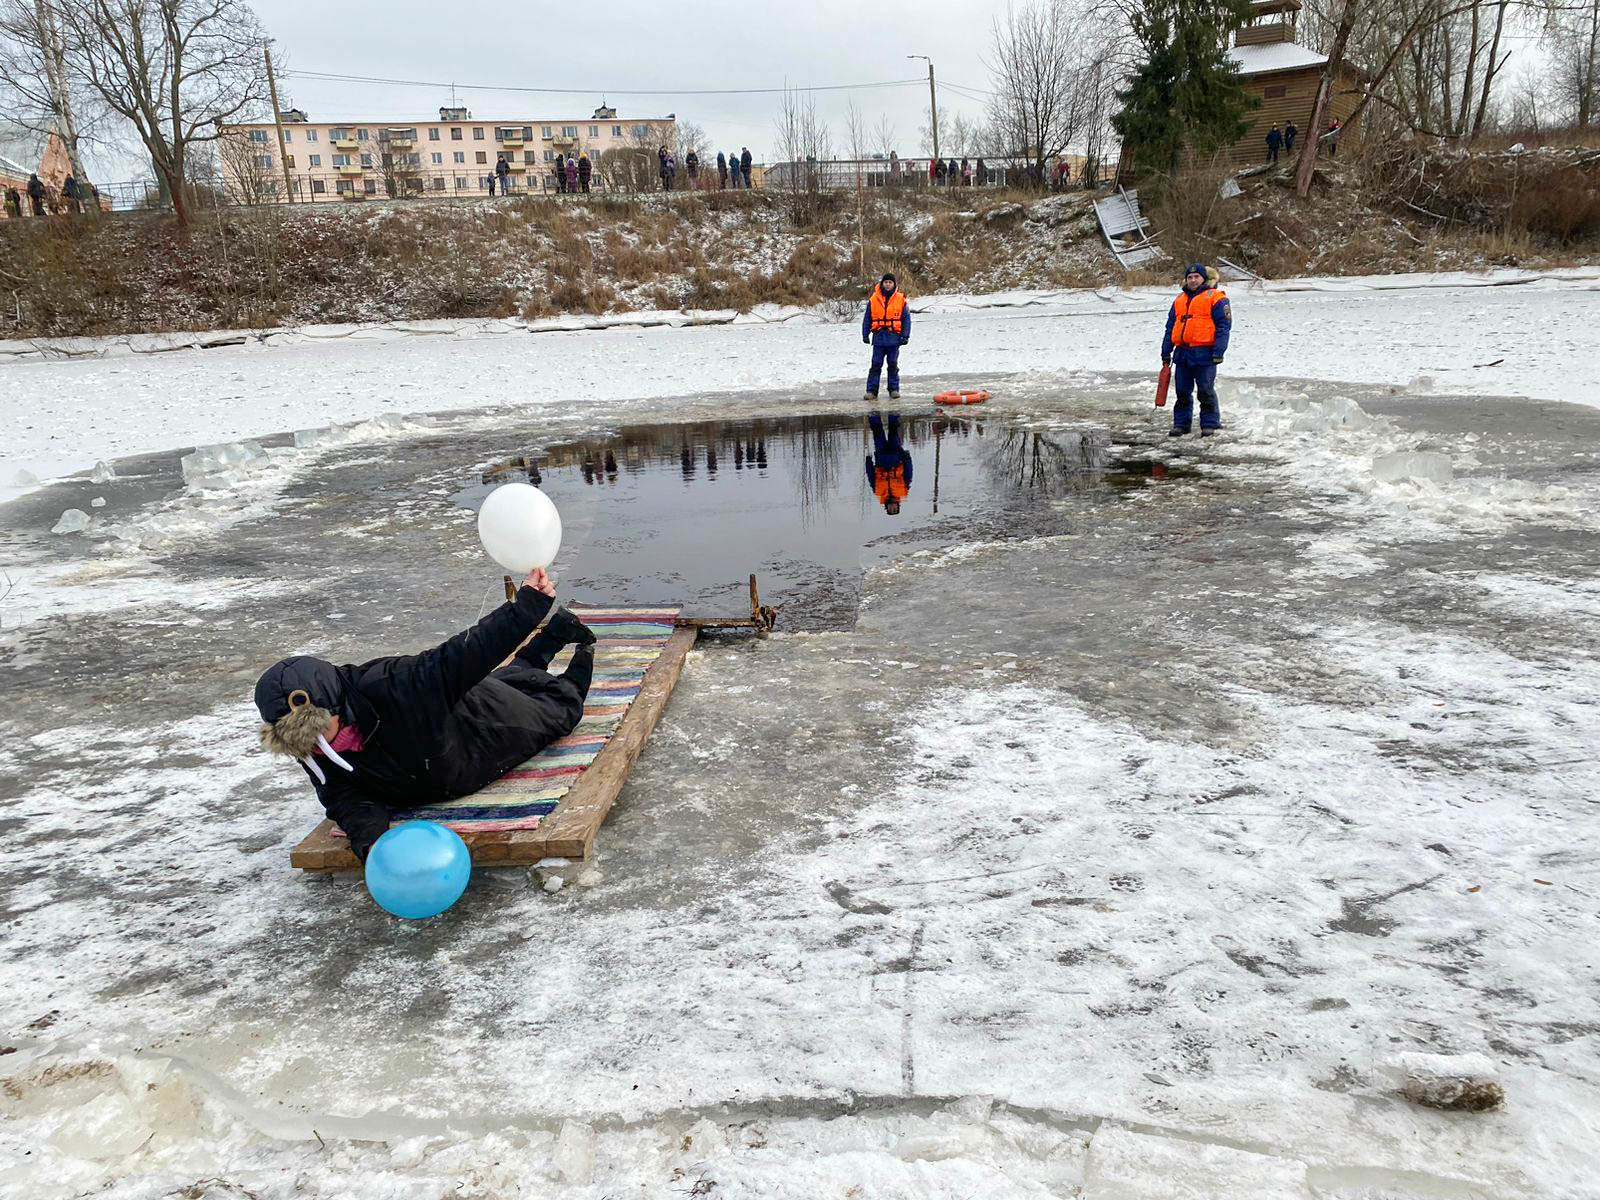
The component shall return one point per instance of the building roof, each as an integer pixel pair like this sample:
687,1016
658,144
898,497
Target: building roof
1274,56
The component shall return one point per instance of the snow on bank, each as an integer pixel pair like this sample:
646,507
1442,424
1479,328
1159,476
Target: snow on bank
71,403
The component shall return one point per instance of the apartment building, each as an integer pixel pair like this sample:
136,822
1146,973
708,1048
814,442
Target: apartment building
455,155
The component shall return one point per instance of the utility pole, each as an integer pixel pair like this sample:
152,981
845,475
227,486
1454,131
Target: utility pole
933,101
277,122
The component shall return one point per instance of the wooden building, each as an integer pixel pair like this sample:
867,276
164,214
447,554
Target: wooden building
1283,75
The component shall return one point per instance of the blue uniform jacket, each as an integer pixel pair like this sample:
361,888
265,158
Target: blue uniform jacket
887,337
1221,316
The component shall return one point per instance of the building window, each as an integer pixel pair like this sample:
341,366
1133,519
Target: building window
460,156
1276,93
366,160
437,158
288,136
258,135
461,183
477,133
594,131
455,135
570,131
370,186
528,156
341,160
549,156
264,160
311,135
640,131
433,135
438,183
288,161
345,185
544,131
318,186
316,160
483,156
616,131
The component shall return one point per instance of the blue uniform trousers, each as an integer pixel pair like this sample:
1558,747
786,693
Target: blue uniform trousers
1189,377
880,355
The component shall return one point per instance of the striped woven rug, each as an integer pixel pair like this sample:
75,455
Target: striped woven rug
627,641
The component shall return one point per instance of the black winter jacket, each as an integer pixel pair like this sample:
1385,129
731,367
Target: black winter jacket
435,725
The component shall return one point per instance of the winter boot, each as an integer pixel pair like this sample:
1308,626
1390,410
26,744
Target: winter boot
1209,432
894,393
1177,433
870,397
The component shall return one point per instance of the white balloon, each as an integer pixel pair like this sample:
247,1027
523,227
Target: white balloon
519,527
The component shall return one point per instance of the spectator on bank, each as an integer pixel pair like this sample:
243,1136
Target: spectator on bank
1290,132
733,169
966,173
894,167
561,172
744,165
1335,127
1063,170
14,203
572,174
661,168
585,170
503,170
938,171
981,174
1274,143
69,194
722,169
691,165
36,194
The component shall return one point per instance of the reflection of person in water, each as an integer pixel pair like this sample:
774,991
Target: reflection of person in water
889,467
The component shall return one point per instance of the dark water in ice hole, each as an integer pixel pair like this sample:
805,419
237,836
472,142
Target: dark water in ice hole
683,513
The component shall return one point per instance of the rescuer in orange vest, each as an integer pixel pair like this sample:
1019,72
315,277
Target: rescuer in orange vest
1198,327
887,326
889,467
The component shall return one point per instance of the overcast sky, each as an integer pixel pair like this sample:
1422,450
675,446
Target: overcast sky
604,50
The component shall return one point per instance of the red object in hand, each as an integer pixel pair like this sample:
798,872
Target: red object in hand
1162,384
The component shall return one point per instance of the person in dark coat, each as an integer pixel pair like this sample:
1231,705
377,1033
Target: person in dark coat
1274,144
980,174
1290,132
744,165
886,326
503,170
939,169
585,171
69,193
691,164
561,173
1335,127
14,202
381,738
661,167
889,466
36,194
1199,325
722,169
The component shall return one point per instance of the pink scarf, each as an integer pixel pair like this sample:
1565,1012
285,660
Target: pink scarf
347,740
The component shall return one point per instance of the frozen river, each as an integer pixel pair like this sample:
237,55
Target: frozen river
1107,832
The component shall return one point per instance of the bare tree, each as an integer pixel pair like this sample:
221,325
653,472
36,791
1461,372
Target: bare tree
248,169
1048,71
175,70
35,88
804,143
883,136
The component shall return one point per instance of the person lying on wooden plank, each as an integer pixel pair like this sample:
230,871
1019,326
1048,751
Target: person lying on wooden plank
401,732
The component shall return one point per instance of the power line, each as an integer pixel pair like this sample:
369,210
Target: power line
333,77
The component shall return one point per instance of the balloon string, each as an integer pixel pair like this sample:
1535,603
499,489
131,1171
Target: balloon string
488,594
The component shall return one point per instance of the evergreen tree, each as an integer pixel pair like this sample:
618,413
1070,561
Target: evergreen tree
1186,93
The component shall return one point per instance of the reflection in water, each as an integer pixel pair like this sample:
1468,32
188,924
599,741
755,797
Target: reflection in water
654,515
888,466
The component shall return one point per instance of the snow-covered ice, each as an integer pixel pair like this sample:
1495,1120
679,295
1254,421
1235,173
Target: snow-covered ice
1144,849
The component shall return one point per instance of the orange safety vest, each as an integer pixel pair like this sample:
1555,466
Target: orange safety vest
1193,325
889,483
886,311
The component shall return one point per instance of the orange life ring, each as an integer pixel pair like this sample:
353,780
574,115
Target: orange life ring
962,397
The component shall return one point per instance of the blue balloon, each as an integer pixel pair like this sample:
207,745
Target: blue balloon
418,869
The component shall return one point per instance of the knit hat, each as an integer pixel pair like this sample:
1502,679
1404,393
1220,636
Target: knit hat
1196,269
888,278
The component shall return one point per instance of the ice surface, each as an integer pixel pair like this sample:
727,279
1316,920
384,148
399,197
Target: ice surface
574,1153
1412,466
73,520
1131,1166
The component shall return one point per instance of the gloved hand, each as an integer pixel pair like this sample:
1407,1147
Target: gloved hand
905,341
1166,360
1216,360
866,341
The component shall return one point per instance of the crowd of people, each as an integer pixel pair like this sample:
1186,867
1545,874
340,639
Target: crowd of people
39,199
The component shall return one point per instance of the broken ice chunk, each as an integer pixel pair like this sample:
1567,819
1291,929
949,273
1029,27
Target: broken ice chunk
1412,465
74,520
102,473
1454,1082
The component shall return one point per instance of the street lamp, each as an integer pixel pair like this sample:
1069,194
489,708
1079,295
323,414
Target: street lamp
933,101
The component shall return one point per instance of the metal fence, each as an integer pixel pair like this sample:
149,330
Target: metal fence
837,173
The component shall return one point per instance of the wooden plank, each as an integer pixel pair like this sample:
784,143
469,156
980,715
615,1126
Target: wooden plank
569,831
